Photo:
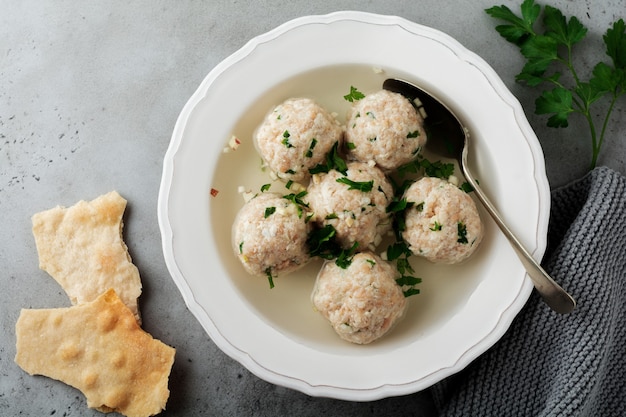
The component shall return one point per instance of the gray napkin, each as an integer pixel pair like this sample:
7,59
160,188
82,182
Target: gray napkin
562,365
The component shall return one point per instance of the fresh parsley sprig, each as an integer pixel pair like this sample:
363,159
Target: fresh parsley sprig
549,53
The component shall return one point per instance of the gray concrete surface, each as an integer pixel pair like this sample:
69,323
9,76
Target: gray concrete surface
89,94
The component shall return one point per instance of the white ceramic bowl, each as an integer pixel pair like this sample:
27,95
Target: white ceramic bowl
462,310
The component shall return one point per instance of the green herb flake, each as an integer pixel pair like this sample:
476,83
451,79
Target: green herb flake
269,211
420,207
333,160
462,233
270,278
467,187
309,152
364,186
285,140
371,262
413,135
350,145
298,200
344,259
399,252
436,226
353,95
437,169
265,187
241,247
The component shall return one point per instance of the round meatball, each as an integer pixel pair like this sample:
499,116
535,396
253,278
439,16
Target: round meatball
361,302
269,235
443,225
386,128
354,204
296,136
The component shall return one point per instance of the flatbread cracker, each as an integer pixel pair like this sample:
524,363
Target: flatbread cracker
82,248
100,349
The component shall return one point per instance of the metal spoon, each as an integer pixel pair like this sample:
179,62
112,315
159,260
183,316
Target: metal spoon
448,138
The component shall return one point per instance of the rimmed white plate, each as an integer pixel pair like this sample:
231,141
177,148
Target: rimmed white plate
461,311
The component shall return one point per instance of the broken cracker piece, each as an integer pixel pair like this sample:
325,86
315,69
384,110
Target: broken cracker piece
98,348
82,248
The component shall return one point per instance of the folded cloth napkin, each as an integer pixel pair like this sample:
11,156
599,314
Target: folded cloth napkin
561,365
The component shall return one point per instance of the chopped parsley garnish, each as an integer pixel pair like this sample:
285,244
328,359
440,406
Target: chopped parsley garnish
269,211
462,233
353,95
241,247
297,199
398,205
345,256
288,184
350,145
309,152
265,187
408,284
270,278
420,207
365,186
371,262
413,135
371,114
322,242
333,161
400,253
436,227
331,216
466,187
285,140
436,169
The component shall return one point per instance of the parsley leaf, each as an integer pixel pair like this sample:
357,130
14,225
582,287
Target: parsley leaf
365,186
517,29
285,140
399,252
353,95
462,233
333,161
298,200
269,211
558,103
270,278
322,242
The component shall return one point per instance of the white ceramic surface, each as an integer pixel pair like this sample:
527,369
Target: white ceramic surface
461,311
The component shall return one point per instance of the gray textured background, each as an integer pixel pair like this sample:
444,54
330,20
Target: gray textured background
89,94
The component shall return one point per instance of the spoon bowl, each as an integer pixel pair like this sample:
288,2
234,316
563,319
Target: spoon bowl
448,138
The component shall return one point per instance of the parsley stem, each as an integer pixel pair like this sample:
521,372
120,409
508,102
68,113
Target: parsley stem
597,145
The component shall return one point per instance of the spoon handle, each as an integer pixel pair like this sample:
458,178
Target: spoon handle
551,292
